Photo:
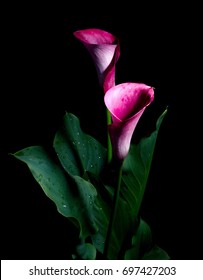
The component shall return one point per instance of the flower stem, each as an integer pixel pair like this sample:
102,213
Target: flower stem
113,213
109,147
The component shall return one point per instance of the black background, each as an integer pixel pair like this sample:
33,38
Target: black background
47,71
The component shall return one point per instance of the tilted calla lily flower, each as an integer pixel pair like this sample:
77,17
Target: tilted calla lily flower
126,103
105,51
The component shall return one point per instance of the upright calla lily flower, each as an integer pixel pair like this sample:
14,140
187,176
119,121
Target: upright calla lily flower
105,51
126,103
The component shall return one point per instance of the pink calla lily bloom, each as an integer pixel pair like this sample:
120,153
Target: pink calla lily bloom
126,103
105,51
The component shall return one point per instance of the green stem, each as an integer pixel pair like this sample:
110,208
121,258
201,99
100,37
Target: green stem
109,147
113,213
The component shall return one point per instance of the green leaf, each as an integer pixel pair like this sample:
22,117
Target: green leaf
156,253
136,169
143,247
83,156
77,151
50,177
73,198
85,251
141,242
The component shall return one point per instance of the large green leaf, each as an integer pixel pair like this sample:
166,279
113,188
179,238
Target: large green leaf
136,169
83,156
78,152
74,198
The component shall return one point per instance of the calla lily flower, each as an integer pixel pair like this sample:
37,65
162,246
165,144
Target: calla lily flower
105,51
126,103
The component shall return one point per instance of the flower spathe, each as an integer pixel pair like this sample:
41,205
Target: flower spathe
126,103
104,48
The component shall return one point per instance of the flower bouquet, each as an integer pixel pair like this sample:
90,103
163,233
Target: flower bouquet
100,189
